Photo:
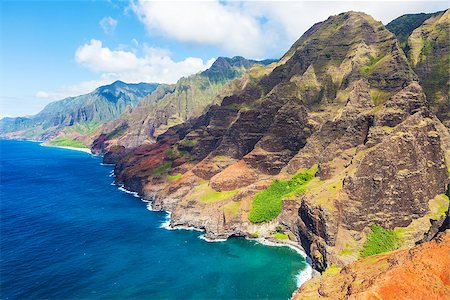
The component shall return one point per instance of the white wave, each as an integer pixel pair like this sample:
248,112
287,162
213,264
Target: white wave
304,275
149,204
135,194
273,244
166,223
203,237
111,174
103,164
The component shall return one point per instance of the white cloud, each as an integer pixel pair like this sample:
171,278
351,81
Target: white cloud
153,65
258,28
100,59
205,22
108,25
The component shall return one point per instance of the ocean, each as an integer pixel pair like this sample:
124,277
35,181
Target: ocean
67,232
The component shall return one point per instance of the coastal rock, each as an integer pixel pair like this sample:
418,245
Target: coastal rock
418,273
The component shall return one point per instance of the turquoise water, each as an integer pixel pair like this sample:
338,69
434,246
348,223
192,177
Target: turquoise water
68,233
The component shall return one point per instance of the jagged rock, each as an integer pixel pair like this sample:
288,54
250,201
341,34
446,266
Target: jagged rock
170,105
393,178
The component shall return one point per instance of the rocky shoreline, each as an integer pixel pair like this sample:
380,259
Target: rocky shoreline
303,276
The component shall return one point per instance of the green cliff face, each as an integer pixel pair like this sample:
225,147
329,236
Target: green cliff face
404,25
81,114
429,55
425,39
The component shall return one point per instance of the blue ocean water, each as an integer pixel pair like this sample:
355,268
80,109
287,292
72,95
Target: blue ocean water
68,233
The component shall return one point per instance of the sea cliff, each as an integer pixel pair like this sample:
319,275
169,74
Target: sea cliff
329,148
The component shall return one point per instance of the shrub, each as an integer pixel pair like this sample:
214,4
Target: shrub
332,270
162,168
379,240
173,177
267,204
281,236
188,143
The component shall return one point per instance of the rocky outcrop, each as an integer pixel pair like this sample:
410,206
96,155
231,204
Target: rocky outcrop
392,178
418,273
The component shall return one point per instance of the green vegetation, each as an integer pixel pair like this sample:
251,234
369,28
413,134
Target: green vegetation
207,194
349,250
174,177
232,208
373,61
162,168
267,204
117,132
67,142
379,97
188,143
174,153
85,128
255,235
214,196
439,206
379,240
281,236
331,270
403,26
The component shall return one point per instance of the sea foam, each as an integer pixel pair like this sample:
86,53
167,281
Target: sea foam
304,275
135,194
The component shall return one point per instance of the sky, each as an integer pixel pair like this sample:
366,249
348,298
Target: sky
50,50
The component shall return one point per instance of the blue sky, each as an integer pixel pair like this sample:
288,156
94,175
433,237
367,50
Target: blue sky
54,49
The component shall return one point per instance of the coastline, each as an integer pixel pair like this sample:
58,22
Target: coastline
303,275
85,150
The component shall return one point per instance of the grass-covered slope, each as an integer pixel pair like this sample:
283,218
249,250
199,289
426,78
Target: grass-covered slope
429,55
267,204
404,25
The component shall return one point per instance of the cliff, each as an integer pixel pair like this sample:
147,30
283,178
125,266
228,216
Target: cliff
170,105
426,38
421,272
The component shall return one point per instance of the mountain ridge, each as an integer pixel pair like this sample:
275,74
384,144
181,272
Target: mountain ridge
170,105
102,104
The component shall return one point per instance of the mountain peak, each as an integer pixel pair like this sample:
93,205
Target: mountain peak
343,49
225,68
